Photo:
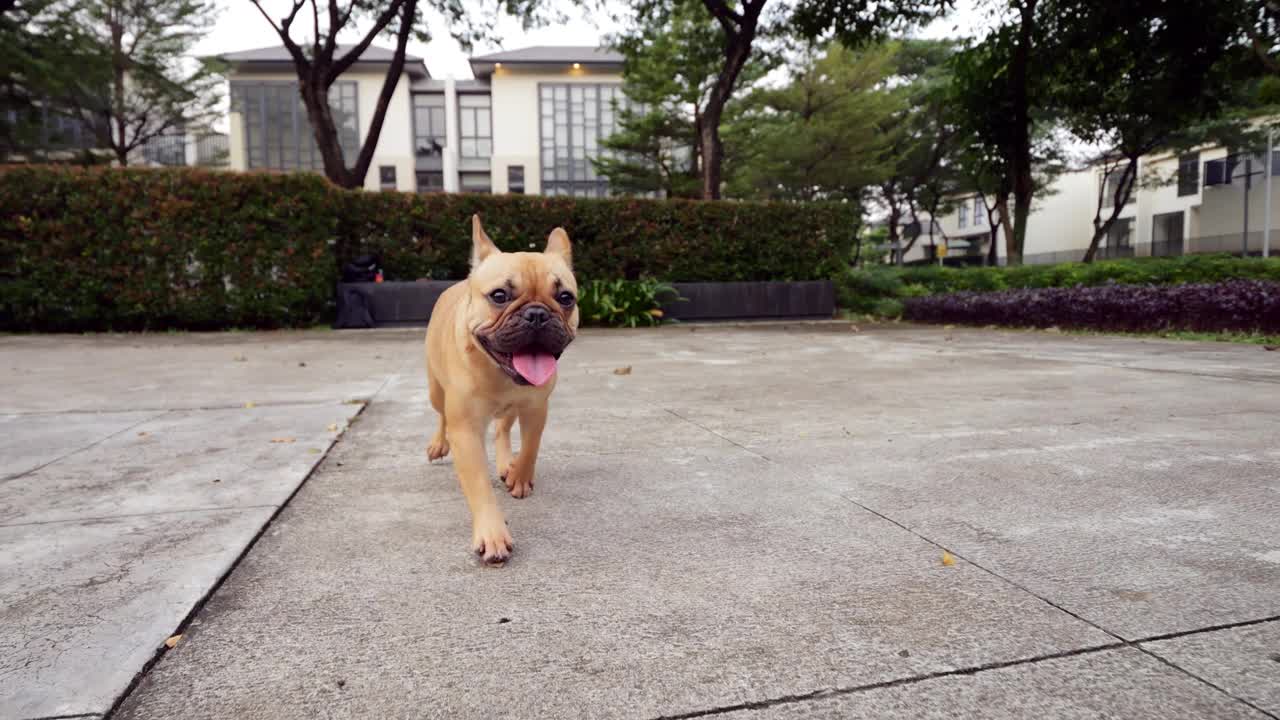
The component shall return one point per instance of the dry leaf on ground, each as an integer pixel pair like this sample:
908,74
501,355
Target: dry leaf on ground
241,358
172,641
622,370
948,559
250,405
333,427
282,440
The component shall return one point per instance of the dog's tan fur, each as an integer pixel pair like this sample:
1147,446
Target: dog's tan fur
469,388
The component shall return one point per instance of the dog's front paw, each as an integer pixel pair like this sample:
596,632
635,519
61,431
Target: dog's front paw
491,539
438,448
518,480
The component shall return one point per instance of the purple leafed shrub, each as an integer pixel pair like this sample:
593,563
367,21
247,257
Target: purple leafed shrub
1235,305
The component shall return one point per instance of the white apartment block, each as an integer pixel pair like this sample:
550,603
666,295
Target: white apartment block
1190,203
530,121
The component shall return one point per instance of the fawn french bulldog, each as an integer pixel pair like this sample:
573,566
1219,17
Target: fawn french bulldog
492,347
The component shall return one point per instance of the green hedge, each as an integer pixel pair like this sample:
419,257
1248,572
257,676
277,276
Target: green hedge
103,248
880,289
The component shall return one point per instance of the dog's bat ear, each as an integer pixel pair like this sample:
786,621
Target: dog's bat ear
481,246
558,244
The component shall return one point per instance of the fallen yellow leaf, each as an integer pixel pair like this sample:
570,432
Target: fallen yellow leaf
172,641
333,427
143,433
282,440
622,370
250,405
948,559
314,451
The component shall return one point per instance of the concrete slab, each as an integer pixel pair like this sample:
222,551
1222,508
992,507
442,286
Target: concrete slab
1109,684
31,441
644,585
695,541
188,460
197,370
84,605
1145,530
1243,661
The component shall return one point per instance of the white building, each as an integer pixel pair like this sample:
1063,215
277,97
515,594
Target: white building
529,122
1189,203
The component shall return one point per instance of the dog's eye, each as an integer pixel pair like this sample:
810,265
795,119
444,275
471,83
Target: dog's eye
499,296
565,298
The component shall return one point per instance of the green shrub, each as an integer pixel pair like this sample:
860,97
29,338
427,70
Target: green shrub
126,249
137,249
623,303
862,290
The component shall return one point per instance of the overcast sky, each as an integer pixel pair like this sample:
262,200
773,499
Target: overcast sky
240,27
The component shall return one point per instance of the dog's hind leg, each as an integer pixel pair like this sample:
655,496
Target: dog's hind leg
502,443
439,446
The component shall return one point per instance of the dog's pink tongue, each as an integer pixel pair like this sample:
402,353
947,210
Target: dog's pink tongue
536,367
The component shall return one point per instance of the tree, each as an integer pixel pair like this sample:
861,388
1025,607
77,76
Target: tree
1001,81
41,47
820,136
854,21
319,63
669,72
140,81
919,134
1137,77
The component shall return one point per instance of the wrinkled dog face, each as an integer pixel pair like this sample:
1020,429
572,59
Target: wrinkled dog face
523,309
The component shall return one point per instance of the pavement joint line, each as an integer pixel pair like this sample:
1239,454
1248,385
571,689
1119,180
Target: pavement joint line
713,432
239,558
895,682
101,518
1208,629
193,408
64,717
90,446
1122,640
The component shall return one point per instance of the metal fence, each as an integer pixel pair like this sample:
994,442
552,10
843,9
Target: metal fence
1233,244
177,150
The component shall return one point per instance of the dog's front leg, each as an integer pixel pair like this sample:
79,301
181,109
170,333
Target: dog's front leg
519,478
490,537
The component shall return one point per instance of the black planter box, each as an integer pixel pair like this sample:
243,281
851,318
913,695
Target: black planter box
400,304
753,300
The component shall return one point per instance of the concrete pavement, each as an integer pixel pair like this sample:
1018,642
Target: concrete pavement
752,523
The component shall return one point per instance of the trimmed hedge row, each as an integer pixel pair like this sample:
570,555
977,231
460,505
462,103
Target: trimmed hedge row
126,249
878,288
1235,305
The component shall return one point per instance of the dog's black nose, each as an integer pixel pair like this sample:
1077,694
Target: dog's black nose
537,315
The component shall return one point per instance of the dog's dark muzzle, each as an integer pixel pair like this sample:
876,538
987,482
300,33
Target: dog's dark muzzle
533,327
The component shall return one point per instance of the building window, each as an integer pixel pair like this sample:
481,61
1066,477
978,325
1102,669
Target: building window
475,182
1119,242
476,124
979,212
964,216
1113,184
515,179
1188,174
428,125
574,119
277,133
387,177
430,181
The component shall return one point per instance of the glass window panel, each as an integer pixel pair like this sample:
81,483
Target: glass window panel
468,123
469,148
483,124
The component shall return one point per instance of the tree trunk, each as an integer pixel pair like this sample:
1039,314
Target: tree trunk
1023,180
315,97
1124,189
737,50
120,133
894,216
